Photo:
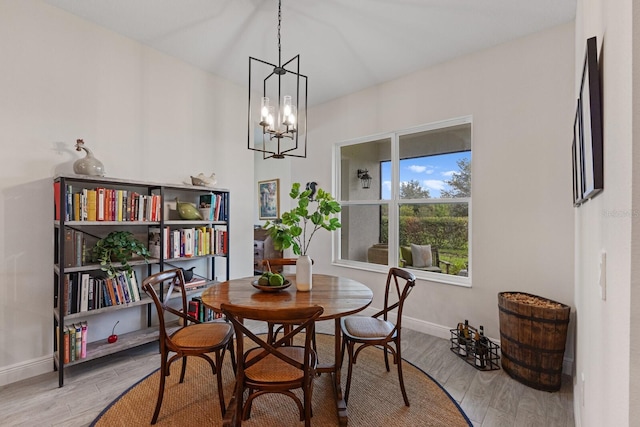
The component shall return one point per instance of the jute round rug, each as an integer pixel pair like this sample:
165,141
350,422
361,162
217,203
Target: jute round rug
375,398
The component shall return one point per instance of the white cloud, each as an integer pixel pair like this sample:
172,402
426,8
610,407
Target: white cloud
417,168
386,185
434,184
449,173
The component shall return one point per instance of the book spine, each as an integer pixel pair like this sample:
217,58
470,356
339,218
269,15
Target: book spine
124,287
112,206
92,205
79,239
83,348
134,286
72,343
84,293
65,351
78,327
119,205
69,250
100,204
76,207
68,212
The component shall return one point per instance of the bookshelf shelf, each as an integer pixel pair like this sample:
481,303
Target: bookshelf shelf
87,209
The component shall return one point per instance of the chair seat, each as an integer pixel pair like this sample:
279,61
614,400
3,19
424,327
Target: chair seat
366,327
273,369
202,335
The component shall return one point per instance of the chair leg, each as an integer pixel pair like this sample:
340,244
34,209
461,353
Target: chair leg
232,354
349,372
386,358
184,369
163,376
399,363
219,359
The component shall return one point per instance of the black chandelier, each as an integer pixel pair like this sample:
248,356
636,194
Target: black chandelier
277,124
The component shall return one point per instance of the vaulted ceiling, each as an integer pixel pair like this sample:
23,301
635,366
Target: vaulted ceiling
344,45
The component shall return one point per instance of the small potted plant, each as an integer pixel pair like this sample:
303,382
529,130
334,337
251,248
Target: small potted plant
118,246
291,231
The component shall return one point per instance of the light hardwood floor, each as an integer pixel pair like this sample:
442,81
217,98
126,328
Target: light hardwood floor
490,399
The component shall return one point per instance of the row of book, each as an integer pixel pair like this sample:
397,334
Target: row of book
85,292
216,205
199,311
75,342
188,242
107,204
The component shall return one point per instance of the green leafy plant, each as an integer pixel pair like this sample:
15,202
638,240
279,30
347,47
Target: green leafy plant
118,246
317,213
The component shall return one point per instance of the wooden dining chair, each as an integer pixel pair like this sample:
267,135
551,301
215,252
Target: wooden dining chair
193,338
378,330
273,367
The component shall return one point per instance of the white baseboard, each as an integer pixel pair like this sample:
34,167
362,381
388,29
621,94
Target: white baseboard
444,332
27,369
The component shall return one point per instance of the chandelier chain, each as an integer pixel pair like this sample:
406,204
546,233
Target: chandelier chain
279,25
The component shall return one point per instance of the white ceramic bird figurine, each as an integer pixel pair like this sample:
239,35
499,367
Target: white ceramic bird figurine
202,179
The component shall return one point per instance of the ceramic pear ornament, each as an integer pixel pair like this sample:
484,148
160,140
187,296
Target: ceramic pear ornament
188,210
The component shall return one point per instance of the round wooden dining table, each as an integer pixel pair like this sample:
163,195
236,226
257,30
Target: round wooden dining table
339,296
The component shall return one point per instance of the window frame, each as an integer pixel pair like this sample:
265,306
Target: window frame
394,203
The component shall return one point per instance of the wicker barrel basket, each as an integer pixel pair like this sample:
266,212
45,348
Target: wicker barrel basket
533,332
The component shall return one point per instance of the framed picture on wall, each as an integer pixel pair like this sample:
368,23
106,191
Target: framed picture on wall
590,108
269,199
576,151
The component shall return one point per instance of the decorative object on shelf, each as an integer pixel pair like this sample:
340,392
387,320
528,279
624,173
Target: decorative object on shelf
188,211
113,337
187,273
365,178
473,347
292,230
118,246
287,119
203,180
269,199
88,165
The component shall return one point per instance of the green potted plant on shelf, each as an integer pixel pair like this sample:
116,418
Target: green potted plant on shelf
118,247
298,226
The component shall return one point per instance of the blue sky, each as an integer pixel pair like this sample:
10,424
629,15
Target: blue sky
431,172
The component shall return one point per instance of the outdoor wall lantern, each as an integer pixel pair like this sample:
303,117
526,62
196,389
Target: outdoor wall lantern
365,178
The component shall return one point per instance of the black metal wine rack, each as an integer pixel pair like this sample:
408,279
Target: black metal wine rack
481,354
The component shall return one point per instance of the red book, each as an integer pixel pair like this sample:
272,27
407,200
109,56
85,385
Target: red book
56,199
194,307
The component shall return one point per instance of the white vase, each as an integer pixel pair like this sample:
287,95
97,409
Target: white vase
303,273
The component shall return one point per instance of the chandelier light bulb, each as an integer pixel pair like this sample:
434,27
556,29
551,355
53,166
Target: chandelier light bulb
269,119
264,110
286,106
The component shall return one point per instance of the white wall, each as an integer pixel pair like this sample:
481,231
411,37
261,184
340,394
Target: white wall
521,97
634,353
145,115
608,223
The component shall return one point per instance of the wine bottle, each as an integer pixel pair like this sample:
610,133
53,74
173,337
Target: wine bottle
467,336
462,342
481,348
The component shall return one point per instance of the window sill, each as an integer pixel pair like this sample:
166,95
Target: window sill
446,279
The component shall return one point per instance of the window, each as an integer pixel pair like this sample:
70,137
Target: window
417,204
